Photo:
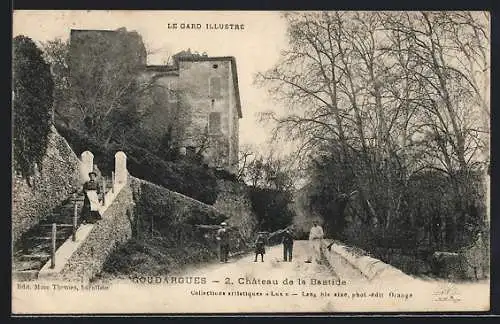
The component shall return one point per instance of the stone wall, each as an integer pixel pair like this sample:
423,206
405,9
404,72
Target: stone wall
476,259
57,176
188,104
114,229
355,261
169,207
164,233
154,218
162,105
234,201
469,263
195,80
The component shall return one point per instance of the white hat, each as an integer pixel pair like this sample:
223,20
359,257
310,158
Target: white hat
223,223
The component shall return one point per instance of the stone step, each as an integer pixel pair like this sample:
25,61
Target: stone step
25,275
34,256
29,264
61,237
62,219
58,225
35,247
69,208
61,234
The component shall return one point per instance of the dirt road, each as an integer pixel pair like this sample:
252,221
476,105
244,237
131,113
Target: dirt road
243,285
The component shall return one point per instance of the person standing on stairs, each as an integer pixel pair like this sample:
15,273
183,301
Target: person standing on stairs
91,204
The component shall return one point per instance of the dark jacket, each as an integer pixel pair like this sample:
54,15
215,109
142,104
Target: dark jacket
287,238
223,236
92,185
260,244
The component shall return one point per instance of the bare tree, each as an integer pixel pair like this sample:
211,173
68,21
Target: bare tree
244,158
388,94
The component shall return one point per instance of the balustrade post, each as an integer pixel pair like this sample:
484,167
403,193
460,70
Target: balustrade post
121,172
87,164
103,191
53,247
75,221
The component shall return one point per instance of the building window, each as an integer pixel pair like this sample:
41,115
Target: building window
214,123
214,84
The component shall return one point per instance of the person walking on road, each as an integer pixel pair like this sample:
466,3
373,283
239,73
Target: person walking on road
223,239
260,247
287,241
315,236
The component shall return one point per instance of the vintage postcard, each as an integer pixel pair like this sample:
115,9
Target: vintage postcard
234,162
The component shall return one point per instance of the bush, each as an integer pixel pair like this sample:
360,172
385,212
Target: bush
32,106
183,176
225,175
155,257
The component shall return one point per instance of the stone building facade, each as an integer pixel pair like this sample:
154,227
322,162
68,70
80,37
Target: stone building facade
200,93
196,98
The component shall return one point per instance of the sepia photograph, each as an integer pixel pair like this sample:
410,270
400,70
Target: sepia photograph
235,162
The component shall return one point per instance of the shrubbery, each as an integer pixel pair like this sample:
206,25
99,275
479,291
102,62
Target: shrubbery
183,176
32,106
155,257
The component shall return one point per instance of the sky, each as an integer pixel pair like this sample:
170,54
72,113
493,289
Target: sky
256,47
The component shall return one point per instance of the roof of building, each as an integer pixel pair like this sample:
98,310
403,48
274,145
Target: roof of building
162,68
233,69
92,30
103,31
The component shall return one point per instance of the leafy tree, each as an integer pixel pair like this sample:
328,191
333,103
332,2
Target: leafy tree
32,106
96,81
56,53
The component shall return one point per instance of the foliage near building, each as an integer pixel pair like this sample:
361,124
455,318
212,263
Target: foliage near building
32,106
183,175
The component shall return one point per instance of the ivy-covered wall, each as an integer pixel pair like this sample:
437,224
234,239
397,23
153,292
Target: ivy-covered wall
55,178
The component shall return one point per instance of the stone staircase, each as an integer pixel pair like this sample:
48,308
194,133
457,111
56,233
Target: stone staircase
35,246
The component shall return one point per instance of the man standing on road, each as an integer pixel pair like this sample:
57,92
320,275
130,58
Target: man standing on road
315,236
287,241
223,238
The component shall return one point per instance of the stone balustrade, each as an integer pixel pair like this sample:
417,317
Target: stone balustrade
65,252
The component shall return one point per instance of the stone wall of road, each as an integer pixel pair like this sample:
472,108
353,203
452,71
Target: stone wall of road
351,262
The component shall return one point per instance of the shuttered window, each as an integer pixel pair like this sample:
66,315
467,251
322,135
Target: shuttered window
215,87
214,123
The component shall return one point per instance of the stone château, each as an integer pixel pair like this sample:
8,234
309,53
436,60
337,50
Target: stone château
196,95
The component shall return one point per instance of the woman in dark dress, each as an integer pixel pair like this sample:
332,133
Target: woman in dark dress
91,189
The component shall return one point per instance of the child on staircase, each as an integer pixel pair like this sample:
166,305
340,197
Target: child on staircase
260,244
